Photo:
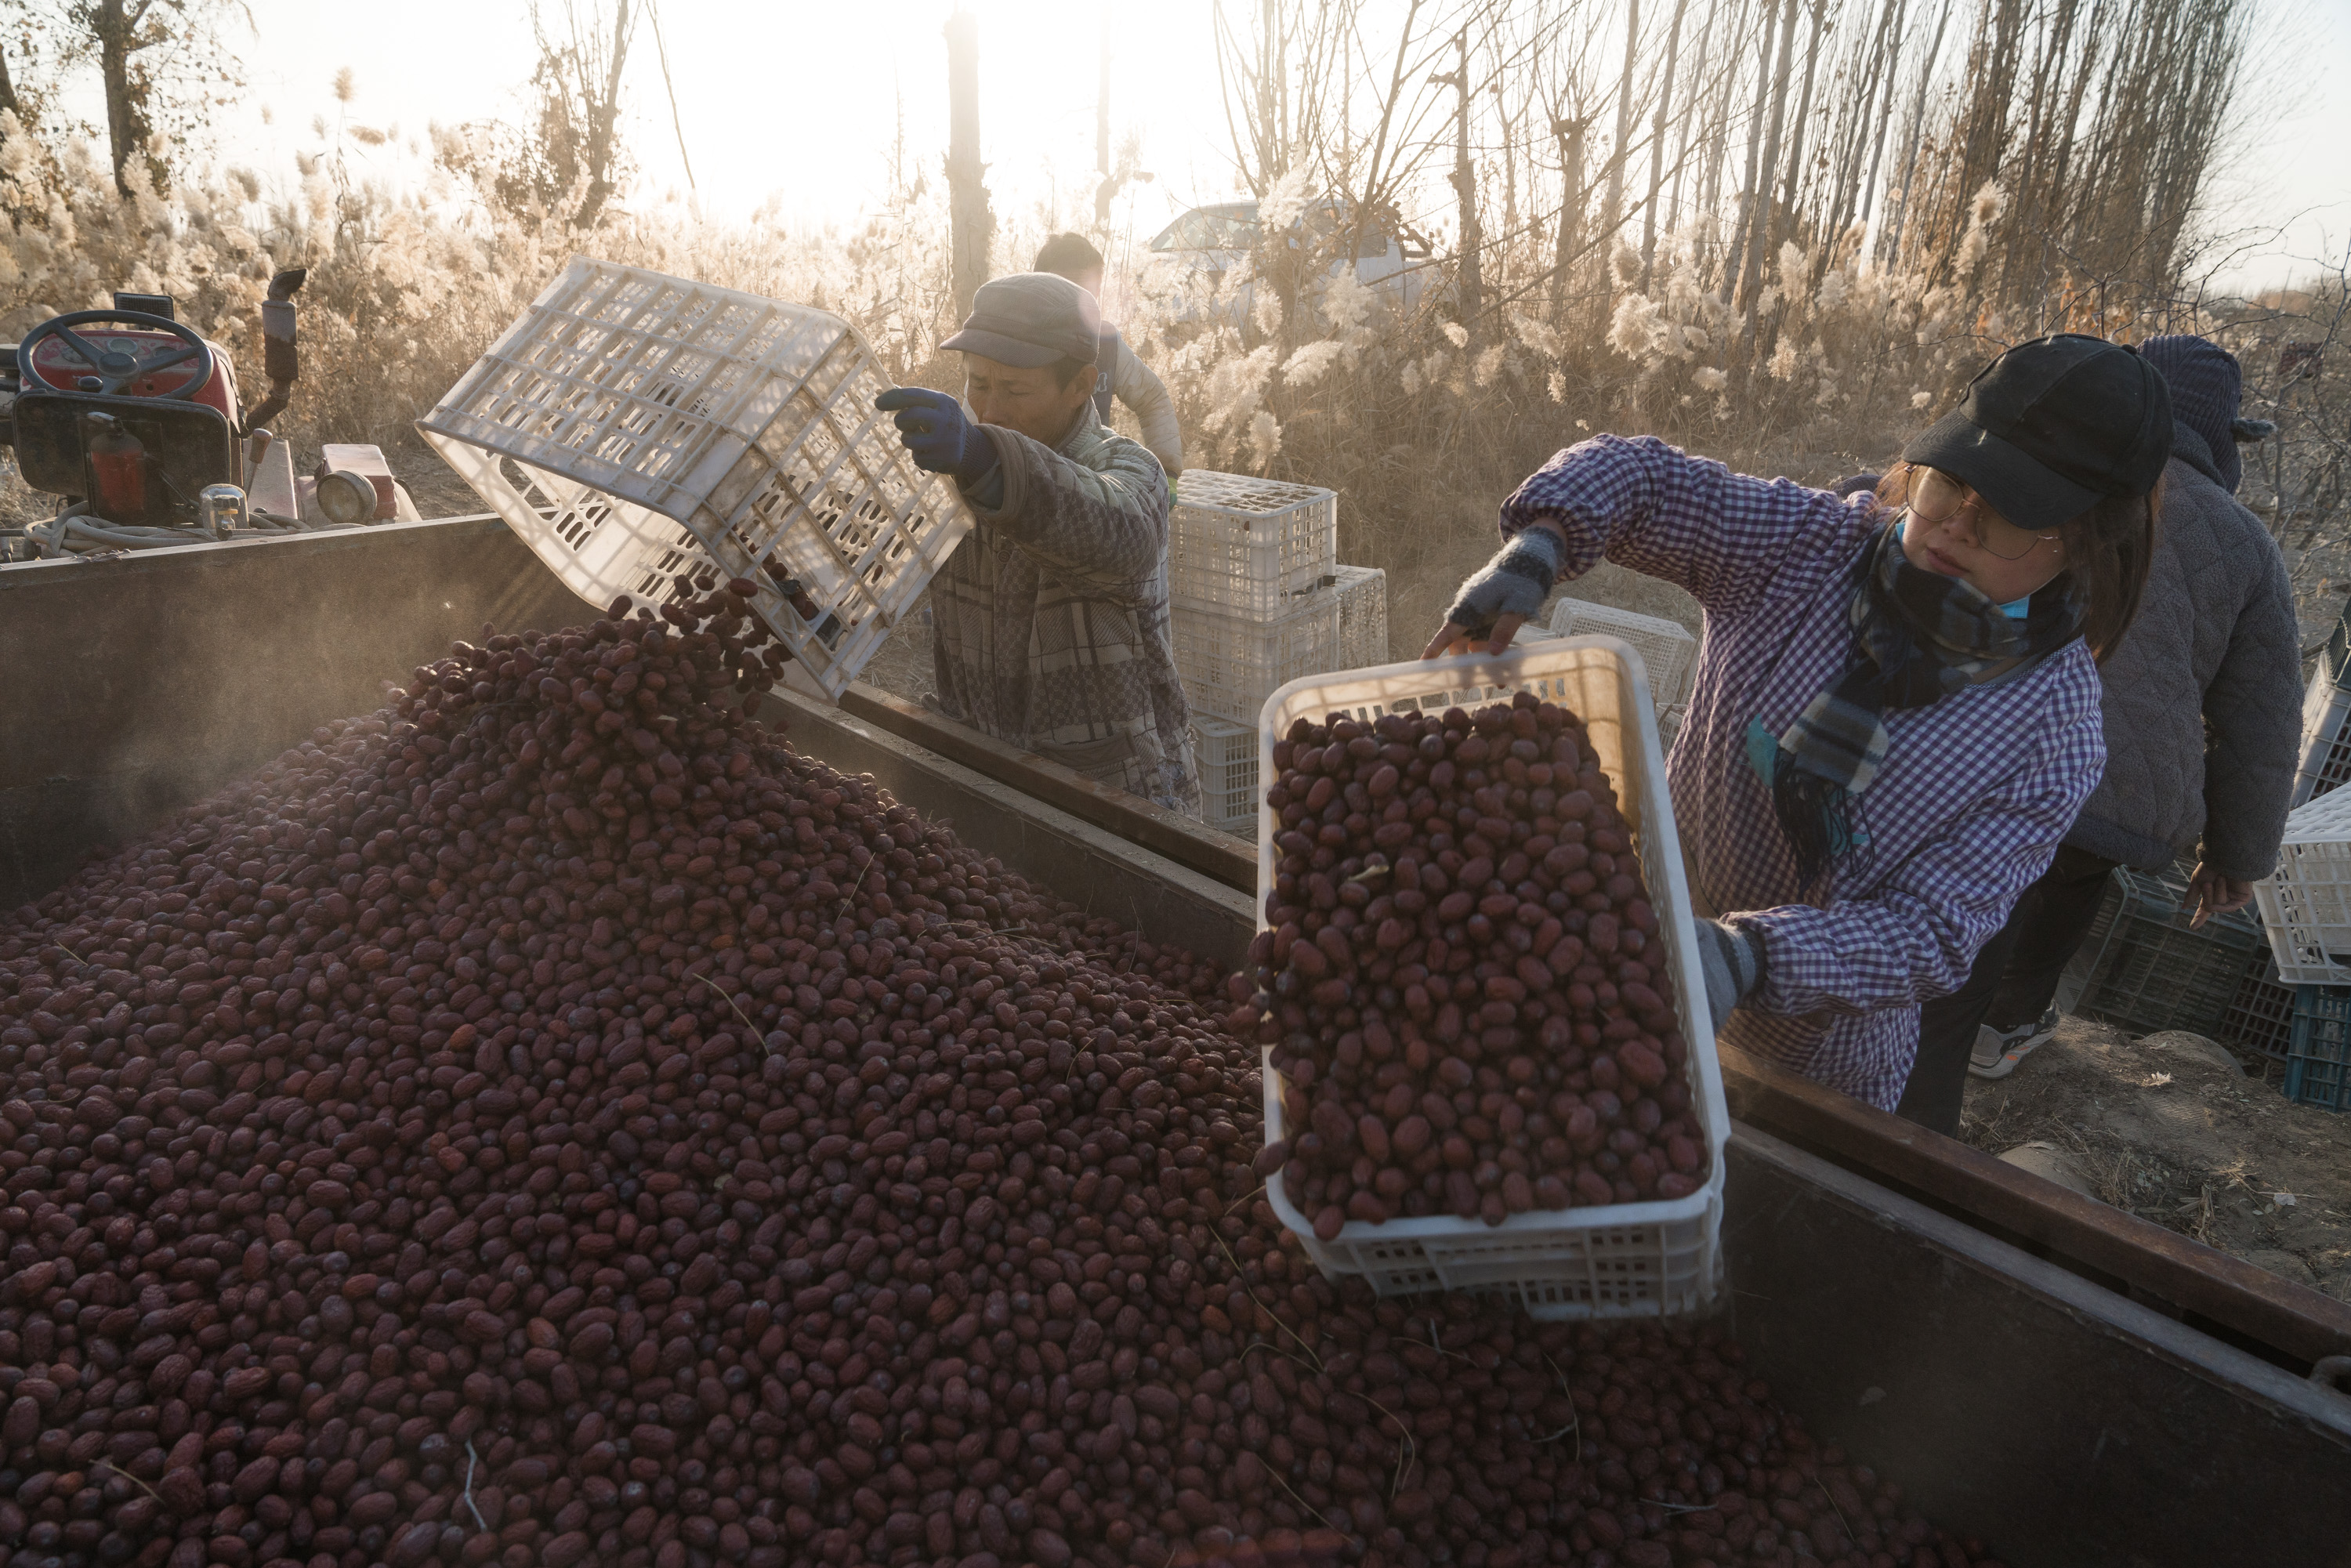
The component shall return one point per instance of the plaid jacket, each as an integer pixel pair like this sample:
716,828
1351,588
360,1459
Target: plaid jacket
1976,792
1050,618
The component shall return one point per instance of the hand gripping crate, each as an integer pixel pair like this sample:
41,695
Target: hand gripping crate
1667,647
1635,1259
653,437
1229,793
1231,663
1249,547
2150,972
2306,902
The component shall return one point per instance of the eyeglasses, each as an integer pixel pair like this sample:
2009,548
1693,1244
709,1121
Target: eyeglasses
1937,498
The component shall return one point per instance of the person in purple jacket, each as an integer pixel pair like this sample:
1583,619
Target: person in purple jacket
1896,710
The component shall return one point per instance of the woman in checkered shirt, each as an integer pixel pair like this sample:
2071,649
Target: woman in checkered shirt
1896,709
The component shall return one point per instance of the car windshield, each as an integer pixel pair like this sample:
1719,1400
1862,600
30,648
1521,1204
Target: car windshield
1232,227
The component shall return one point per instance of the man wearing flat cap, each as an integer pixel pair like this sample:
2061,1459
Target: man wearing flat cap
1050,619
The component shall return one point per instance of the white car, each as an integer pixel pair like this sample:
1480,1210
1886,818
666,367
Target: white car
1389,258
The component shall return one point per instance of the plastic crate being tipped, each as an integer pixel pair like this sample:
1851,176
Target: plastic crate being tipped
1249,547
1667,651
648,436
1658,1257
2306,902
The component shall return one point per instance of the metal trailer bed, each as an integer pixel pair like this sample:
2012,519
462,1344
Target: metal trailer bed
2072,1384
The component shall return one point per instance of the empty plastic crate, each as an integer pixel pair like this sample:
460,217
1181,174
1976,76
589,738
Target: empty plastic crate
1249,547
2261,1018
1227,754
2151,973
1635,1259
2325,762
1363,594
2318,1057
652,436
1231,663
1667,651
2306,902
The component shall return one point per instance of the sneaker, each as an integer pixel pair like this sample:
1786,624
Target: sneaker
1996,1051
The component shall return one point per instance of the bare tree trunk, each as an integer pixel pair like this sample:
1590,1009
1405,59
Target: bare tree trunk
1690,116
1884,118
7,88
603,111
1569,133
1612,213
1465,187
115,25
1892,247
1108,187
972,226
1760,223
1657,145
1784,212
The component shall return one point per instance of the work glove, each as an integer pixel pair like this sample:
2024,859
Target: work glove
1730,961
935,431
1504,594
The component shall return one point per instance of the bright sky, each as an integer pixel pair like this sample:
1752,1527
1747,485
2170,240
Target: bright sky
801,102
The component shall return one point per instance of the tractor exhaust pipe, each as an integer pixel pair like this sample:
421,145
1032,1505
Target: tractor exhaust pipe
280,362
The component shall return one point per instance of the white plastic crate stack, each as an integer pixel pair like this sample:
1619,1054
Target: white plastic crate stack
1258,598
1660,1258
2306,904
2325,763
1228,758
653,436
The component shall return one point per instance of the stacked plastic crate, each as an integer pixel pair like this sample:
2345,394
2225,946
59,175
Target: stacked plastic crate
2325,739
2306,906
1258,598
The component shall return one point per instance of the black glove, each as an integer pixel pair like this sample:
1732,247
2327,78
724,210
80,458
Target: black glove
1730,961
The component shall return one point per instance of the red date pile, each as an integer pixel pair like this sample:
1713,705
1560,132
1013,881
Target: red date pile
1462,978
551,1122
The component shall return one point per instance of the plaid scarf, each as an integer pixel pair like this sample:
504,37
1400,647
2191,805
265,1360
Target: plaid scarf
1919,636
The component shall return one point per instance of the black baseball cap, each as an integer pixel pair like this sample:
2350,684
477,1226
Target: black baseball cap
2052,427
1032,318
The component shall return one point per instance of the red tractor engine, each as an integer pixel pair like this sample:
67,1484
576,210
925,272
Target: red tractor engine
133,413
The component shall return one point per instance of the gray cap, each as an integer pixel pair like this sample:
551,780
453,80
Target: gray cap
1030,320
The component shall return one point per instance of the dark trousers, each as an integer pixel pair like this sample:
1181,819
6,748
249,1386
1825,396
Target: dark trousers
2013,982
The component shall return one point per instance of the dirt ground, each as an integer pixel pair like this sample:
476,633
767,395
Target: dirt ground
2171,1128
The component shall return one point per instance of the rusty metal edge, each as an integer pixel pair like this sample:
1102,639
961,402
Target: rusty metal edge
1216,855
2302,1324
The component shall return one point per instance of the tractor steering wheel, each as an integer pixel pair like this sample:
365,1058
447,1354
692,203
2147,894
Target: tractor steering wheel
115,368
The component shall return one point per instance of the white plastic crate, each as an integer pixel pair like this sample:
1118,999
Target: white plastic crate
653,437
1634,1259
2306,904
1249,547
1230,664
1227,755
1363,592
1667,647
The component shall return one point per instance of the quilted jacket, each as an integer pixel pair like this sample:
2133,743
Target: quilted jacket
2203,698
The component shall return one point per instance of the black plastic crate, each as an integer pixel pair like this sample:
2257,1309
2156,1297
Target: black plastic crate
2318,1061
2261,1020
2151,972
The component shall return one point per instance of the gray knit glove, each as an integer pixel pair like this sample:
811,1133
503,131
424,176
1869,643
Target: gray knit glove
1515,582
1730,961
